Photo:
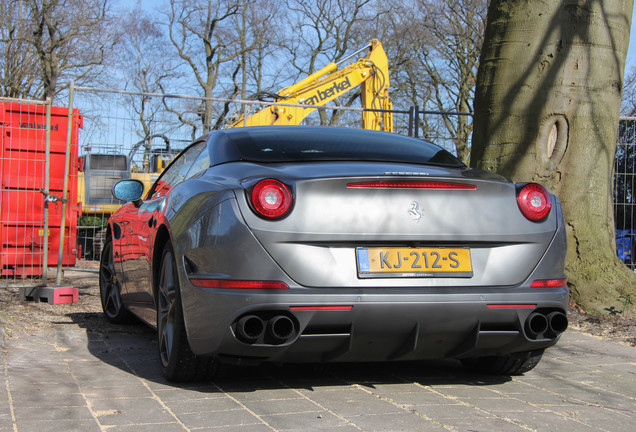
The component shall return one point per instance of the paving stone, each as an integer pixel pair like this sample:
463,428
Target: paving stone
240,428
282,406
57,426
112,412
404,422
154,427
53,413
264,394
421,398
32,399
607,421
506,405
464,391
231,418
103,390
310,421
442,412
190,405
483,422
552,422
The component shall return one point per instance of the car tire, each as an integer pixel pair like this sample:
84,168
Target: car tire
177,361
511,364
110,289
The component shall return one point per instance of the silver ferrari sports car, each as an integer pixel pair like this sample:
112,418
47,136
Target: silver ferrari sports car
310,244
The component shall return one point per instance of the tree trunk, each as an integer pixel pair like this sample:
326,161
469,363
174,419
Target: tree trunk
546,110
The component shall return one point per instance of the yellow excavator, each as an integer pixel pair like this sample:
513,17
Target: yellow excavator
371,73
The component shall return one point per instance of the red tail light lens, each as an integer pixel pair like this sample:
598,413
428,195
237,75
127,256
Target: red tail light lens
271,199
411,184
534,201
549,283
239,284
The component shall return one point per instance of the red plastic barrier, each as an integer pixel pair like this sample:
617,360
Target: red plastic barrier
22,181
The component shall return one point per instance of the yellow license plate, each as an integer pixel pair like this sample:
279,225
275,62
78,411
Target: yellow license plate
414,262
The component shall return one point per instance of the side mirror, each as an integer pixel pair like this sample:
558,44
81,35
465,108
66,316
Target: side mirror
128,190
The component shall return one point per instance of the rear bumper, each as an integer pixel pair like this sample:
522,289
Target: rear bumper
361,326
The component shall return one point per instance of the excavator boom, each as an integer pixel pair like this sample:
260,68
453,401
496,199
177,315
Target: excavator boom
370,73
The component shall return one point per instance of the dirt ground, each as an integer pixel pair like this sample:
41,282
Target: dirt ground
21,318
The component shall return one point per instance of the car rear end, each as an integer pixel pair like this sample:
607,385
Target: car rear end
374,261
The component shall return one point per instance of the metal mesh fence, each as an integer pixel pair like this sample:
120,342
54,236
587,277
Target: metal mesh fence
624,190
22,173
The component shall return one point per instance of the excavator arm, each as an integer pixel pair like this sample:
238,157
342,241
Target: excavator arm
371,73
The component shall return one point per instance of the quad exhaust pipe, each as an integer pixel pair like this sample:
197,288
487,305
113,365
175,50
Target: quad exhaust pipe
275,330
536,325
250,328
551,325
557,324
280,328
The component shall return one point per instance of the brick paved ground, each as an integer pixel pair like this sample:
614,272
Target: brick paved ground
70,379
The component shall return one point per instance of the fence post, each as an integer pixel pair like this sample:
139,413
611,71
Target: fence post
416,121
69,131
47,189
414,116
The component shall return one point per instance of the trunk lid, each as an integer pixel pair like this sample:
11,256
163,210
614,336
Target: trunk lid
473,228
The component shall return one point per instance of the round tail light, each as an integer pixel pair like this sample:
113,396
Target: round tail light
271,199
534,201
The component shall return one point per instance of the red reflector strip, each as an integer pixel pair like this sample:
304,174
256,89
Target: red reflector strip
549,283
239,284
511,306
414,184
321,308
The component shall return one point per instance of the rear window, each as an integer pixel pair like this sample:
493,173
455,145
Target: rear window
108,162
272,145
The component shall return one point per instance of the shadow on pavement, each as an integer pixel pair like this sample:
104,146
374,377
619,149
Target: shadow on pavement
132,348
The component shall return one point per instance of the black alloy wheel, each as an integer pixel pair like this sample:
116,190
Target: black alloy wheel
109,287
177,361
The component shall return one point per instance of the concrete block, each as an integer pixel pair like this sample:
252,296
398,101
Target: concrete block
51,295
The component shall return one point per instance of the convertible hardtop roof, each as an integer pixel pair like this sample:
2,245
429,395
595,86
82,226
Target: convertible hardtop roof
273,144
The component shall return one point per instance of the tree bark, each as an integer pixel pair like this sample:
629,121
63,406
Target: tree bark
546,109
